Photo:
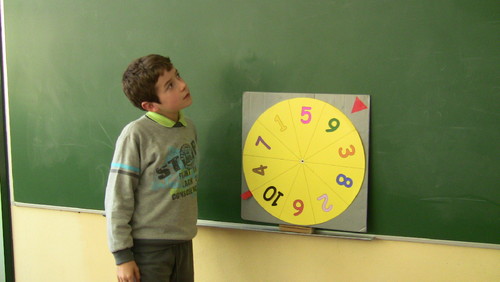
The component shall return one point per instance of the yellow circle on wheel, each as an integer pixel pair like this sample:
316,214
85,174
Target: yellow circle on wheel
304,161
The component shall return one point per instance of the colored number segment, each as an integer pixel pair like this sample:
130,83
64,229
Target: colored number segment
306,111
299,206
260,170
270,194
344,153
261,141
325,207
298,145
281,124
344,180
333,124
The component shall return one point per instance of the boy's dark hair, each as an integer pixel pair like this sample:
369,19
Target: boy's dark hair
140,77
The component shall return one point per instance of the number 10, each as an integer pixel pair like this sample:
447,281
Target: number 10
268,197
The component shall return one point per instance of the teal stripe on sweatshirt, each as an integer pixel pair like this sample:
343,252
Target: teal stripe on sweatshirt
127,167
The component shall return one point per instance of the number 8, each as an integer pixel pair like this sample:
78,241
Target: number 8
344,181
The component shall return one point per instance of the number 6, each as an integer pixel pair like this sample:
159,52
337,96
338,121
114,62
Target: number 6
299,206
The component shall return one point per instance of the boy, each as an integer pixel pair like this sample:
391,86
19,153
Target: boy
151,199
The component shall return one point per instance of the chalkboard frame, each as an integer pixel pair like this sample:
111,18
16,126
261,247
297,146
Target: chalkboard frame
431,68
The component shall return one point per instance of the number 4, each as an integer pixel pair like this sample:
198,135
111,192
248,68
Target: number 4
259,170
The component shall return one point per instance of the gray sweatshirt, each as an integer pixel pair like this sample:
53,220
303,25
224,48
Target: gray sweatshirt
152,186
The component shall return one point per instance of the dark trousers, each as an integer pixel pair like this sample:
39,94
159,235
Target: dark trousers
170,263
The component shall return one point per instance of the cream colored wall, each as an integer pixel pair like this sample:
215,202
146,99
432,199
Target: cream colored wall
66,246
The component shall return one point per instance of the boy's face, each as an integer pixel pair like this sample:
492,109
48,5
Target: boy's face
173,93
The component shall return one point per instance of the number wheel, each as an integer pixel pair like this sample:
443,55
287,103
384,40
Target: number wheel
304,161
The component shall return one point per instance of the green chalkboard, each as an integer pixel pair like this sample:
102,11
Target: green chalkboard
431,68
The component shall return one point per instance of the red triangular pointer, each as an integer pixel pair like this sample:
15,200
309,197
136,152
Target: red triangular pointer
247,195
358,106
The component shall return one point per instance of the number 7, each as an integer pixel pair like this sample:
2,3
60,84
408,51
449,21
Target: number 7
260,140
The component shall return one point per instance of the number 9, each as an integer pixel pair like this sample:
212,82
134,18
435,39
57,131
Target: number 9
333,127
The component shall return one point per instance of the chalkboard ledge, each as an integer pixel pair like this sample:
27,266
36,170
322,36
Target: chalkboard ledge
343,235
275,229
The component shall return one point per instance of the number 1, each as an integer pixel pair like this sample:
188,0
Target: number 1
278,120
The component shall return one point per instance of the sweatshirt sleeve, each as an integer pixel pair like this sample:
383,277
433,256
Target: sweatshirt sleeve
122,183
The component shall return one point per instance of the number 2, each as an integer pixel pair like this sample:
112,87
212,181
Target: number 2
306,112
324,197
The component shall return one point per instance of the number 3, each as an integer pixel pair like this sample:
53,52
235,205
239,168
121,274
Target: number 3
348,152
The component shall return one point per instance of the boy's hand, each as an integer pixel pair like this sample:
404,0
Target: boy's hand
128,272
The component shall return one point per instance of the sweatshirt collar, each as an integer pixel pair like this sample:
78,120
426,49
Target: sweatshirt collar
166,121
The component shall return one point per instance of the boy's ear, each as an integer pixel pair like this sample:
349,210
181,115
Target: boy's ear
148,106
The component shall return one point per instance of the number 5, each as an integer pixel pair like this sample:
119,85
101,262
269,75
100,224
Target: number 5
306,112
